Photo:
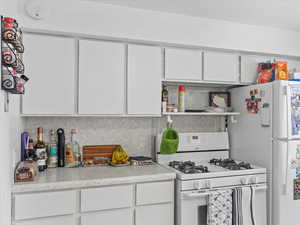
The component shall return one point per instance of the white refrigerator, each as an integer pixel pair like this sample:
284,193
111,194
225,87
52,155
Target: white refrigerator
267,133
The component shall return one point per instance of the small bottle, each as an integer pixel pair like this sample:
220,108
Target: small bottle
52,151
165,98
73,153
181,98
40,149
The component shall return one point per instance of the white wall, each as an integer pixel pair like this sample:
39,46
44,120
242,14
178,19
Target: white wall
5,164
11,126
122,22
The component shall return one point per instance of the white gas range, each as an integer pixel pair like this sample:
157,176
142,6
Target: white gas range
203,166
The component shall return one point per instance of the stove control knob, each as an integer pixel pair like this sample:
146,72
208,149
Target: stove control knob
207,184
197,185
244,180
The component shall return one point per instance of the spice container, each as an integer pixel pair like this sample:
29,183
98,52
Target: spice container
181,98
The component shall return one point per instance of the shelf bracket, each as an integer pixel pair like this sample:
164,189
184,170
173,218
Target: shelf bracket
233,119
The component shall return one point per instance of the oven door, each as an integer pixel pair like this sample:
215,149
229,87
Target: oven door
192,207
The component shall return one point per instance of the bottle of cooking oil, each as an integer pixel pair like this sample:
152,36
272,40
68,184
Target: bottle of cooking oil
73,152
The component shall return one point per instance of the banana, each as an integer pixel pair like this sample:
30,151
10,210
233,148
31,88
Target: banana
120,156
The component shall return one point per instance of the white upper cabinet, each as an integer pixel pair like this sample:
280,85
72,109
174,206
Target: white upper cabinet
101,77
183,64
144,80
221,67
249,65
50,65
294,65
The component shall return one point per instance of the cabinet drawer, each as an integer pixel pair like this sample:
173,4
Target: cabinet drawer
29,206
106,198
164,215
115,217
50,221
150,193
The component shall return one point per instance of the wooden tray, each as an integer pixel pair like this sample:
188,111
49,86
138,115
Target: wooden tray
92,151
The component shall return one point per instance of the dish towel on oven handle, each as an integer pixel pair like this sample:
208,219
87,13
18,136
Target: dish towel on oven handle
242,206
219,210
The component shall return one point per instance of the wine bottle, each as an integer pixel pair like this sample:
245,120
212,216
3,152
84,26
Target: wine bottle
40,149
31,150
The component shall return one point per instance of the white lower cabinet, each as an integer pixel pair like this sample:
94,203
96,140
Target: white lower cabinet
106,198
163,193
113,217
69,220
28,206
155,214
150,203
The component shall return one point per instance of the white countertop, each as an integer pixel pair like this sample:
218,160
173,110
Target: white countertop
71,178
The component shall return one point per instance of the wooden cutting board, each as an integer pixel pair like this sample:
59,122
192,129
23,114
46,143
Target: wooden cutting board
92,151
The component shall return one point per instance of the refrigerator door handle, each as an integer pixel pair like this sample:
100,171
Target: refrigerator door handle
285,169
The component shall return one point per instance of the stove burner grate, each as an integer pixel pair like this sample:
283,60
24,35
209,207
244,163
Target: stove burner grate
231,164
188,167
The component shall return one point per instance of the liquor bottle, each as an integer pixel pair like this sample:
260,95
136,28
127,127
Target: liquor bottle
165,98
61,147
73,153
40,149
52,151
31,150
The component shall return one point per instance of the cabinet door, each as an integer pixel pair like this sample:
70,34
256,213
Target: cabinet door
115,217
164,215
28,206
164,192
101,77
144,80
106,198
293,65
50,65
62,220
221,67
249,65
183,64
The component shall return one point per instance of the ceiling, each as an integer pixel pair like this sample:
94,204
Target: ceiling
274,13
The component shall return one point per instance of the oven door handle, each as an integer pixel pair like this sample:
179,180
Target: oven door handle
198,194
206,193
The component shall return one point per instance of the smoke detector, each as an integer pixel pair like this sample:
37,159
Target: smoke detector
36,9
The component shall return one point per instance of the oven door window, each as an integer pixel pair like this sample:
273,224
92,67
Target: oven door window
192,210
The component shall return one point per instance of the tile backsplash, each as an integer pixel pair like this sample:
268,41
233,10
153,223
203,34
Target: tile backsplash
136,135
